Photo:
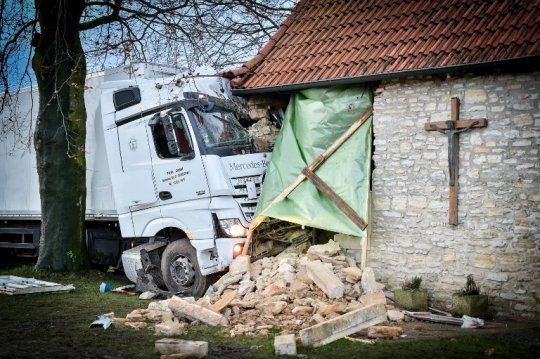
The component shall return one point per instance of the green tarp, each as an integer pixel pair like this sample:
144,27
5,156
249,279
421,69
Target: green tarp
314,120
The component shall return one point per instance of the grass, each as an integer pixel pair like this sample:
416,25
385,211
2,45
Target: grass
57,326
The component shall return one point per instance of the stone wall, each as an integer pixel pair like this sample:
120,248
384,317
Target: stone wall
497,238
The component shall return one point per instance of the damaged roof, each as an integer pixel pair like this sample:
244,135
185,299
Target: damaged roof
343,41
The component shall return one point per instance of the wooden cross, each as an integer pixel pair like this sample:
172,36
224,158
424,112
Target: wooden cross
452,129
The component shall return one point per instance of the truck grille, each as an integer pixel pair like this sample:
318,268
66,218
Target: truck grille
247,191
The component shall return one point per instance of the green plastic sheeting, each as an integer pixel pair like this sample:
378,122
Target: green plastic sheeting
314,120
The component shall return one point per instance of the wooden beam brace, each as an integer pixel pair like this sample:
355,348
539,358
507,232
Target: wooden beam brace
482,122
341,204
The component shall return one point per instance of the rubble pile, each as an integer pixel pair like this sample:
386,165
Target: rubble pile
290,291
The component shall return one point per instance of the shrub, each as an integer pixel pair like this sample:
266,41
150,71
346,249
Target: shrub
412,284
470,288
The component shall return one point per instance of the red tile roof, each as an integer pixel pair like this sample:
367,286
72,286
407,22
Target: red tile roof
358,40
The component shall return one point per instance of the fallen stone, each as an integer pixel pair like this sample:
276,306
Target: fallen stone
395,315
316,319
354,273
183,309
159,305
297,285
329,249
285,345
373,298
245,288
119,322
229,281
170,328
240,265
302,310
273,289
325,279
382,332
369,284
333,329
223,302
180,346
136,325
174,356
273,308
147,295
337,307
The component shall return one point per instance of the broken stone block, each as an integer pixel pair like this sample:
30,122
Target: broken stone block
184,309
297,284
329,249
174,356
136,325
381,332
288,276
369,284
325,279
395,315
285,344
188,347
119,322
373,298
223,302
240,264
354,273
147,295
245,288
273,289
337,328
273,308
337,307
316,319
170,328
159,305
302,310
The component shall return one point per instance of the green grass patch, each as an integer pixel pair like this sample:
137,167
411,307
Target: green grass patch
57,326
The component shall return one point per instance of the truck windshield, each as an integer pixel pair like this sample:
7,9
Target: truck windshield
220,127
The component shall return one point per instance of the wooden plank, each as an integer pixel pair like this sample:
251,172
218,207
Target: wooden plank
482,122
435,318
453,206
341,204
314,165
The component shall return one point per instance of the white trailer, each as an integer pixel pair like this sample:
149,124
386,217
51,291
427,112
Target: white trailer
169,169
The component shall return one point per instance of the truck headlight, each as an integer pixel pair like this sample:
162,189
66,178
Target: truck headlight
233,227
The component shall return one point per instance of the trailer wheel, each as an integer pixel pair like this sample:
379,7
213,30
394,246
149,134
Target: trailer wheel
180,269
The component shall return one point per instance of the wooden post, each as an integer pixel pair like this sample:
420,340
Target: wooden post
452,129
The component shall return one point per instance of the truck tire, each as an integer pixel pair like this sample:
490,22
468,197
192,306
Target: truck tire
180,269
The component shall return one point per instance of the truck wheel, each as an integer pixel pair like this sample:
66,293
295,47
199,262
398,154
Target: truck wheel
180,269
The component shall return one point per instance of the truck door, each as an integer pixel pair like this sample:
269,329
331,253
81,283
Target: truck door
134,186
179,173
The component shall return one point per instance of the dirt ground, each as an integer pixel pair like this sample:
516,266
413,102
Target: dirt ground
413,329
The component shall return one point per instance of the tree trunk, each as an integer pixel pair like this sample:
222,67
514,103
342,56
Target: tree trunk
60,67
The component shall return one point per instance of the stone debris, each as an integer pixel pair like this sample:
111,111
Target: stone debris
321,296
285,345
169,346
384,332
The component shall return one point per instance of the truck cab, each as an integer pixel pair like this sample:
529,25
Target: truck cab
185,174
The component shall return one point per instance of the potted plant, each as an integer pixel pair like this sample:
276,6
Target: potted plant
410,296
469,301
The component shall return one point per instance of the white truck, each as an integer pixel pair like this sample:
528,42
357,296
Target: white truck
169,170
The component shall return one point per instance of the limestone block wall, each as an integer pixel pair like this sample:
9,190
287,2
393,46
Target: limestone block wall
497,238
